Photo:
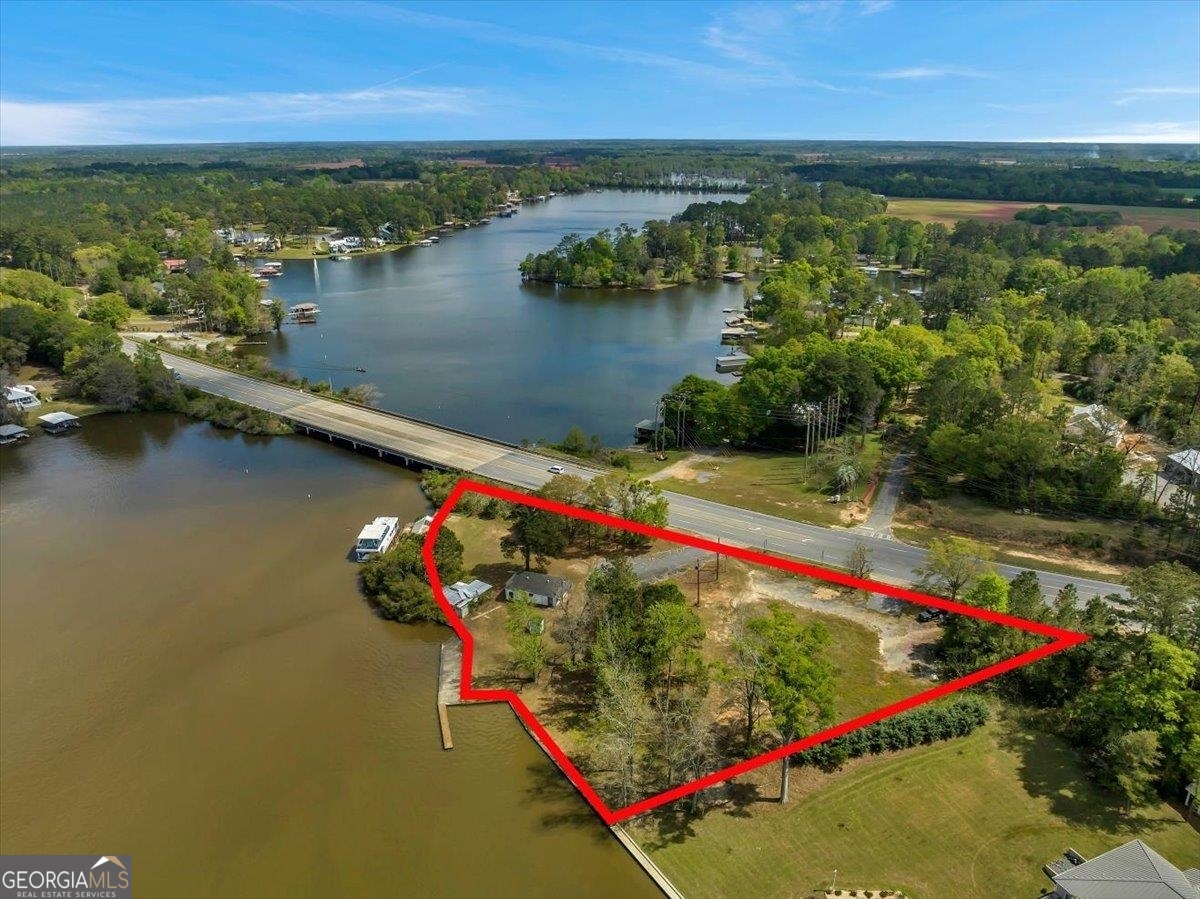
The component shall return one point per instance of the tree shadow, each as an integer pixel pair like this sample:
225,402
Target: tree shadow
551,791
568,703
1050,769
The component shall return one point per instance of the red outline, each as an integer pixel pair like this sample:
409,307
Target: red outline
1060,639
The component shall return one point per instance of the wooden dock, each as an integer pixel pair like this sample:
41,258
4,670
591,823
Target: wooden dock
653,871
444,721
449,685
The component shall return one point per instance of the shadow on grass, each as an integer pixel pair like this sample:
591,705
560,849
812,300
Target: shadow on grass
1050,769
568,705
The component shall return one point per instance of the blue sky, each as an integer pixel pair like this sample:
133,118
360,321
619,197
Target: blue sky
149,72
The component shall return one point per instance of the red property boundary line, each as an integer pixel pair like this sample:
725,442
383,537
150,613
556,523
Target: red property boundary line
1059,638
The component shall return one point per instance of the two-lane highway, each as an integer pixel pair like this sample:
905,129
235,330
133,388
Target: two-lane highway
416,440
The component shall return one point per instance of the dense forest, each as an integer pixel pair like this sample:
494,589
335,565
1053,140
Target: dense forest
1076,183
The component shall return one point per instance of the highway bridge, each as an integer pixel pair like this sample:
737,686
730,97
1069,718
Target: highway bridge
419,443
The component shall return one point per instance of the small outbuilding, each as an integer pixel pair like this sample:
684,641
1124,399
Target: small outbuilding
462,594
546,589
13,433
57,422
1183,466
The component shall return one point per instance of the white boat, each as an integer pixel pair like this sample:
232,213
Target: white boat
376,538
427,242
434,239
338,257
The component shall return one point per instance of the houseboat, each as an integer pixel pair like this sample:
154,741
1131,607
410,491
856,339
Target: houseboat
376,537
734,362
425,243
434,239
304,313
57,422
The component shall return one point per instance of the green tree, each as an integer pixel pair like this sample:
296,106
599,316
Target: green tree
990,591
525,635
1131,761
798,682
952,565
534,534
1164,599
108,309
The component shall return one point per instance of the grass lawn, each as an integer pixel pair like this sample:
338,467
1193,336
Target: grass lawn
974,818
947,212
1017,539
775,483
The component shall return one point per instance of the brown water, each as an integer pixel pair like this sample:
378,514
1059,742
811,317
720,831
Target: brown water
188,675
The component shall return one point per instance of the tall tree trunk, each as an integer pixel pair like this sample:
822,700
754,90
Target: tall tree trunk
787,771
527,553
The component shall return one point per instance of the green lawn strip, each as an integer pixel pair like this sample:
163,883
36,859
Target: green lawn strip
974,817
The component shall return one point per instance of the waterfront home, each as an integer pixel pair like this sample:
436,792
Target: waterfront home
304,313
21,398
175,266
644,430
545,589
461,594
57,422
12,433
376,537
1132,870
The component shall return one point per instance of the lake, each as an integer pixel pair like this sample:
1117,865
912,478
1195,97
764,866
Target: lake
450,334
189,675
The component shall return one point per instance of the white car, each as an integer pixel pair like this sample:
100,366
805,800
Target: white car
556,469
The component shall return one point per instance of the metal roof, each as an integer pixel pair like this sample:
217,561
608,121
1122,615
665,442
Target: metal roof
538,584
1189,459
57,418
12,430
1132,871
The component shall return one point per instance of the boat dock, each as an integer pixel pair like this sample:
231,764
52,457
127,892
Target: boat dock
731,363
450,660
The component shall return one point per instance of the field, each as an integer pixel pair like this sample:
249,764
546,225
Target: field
974,818
1055,544
947,212
776,484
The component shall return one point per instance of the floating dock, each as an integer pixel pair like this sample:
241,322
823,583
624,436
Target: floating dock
731,363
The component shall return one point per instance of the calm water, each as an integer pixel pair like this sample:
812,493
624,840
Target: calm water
450,334
188,675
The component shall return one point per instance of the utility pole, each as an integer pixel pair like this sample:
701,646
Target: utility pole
697,583
718,563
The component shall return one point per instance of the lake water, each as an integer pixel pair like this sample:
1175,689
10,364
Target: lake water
450,334
189,675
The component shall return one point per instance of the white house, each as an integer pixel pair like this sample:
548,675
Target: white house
1095,420
22,399
461,594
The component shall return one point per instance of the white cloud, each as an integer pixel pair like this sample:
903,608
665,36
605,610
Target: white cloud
1134,133
167,119
917,73
1135,94
871,7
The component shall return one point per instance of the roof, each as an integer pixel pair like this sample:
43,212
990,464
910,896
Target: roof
12,430
461,593
538,584
1132,871
1189,459
377,529
57,418
645,424
17,393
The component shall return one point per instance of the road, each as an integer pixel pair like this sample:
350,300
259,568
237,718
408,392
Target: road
883,509
892,561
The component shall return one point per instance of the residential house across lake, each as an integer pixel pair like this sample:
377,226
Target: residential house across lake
545,589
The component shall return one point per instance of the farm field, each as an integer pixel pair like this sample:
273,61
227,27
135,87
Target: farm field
973,818
947,212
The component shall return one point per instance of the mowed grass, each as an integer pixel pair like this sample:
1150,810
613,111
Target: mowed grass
947,212
974,818
778,484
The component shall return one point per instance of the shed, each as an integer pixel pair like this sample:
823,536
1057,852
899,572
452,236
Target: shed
546,589
461,594
12,433
57,422
1183,466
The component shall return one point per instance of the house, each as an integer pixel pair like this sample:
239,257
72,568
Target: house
1095,420
546,589
22,399
175,266
12,433
644,430
1183,466
461,594
57,422
1132,870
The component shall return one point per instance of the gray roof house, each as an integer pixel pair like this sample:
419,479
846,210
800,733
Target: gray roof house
461,594
546,589
1132,871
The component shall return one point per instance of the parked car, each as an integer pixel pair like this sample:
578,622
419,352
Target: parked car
556,469
930,614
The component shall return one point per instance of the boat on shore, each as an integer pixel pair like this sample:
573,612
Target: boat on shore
427,242
376,538
339,257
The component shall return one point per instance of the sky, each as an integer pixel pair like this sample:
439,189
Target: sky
286,70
